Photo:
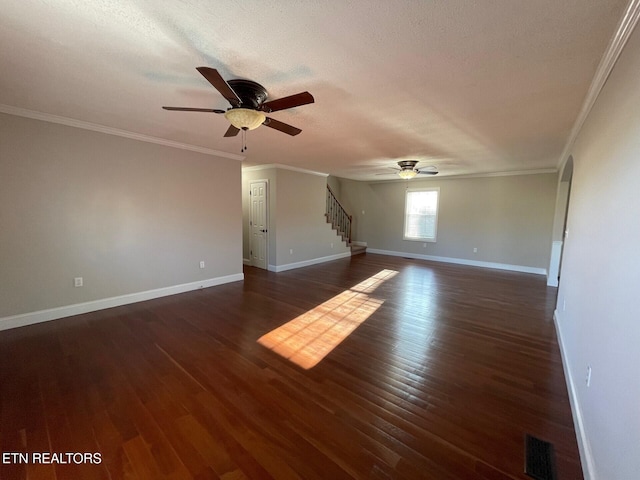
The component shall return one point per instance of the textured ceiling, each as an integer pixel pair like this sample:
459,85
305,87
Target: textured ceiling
471,87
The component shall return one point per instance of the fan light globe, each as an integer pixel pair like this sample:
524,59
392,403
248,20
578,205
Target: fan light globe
244,118
407,174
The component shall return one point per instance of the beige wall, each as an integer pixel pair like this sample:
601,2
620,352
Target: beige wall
598,310
302,225
334,184
296,217
508,219
125,215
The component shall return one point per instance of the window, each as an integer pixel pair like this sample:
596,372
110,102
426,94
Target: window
421,214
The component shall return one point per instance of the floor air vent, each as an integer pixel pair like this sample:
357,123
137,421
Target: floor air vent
539,462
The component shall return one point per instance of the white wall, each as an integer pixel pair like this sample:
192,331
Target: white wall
598,311
125,215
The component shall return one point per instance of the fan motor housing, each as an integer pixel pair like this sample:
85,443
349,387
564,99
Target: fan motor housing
251,93
407,164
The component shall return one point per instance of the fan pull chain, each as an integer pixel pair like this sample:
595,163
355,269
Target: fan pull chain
244,141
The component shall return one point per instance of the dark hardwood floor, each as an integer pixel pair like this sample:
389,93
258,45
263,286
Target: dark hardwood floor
443,380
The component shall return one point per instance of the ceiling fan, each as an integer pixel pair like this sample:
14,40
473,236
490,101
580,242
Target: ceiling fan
249,104
408,169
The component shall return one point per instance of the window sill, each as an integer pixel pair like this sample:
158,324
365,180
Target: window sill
428,240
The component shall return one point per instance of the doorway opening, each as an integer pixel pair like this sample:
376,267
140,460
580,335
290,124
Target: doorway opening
560,231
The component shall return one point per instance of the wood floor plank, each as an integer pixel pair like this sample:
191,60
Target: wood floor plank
443,380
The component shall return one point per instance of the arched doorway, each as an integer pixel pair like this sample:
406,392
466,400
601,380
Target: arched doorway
560,223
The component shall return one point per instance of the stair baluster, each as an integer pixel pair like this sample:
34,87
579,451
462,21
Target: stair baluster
338,217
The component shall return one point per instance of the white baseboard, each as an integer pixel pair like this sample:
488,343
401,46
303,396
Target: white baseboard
79,308
246,261
359,244
461,261
586,457
307,263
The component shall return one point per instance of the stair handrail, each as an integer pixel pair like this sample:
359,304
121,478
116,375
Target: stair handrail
338,216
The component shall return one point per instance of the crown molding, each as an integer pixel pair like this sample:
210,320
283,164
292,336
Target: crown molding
283,167
71,122
620,37
510,173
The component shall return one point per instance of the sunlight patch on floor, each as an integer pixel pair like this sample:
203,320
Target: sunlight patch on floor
307,339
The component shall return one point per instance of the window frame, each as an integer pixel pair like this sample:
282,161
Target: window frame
435,227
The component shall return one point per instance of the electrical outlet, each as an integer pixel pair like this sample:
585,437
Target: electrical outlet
475,249
332,245
588,377
291,251
202,264
564,305
77,282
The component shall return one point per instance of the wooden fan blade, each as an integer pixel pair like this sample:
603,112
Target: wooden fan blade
189,109
283,127
231,131
219,83
291,101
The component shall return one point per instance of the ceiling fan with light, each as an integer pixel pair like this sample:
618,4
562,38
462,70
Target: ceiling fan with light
249,104
408,169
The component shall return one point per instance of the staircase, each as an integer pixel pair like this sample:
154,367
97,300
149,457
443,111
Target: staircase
340,221
356,249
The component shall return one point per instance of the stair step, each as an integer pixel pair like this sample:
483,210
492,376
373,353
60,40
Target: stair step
357,249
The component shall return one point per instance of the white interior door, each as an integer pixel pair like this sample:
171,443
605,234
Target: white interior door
258,224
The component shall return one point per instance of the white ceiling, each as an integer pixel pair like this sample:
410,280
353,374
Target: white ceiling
469,86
